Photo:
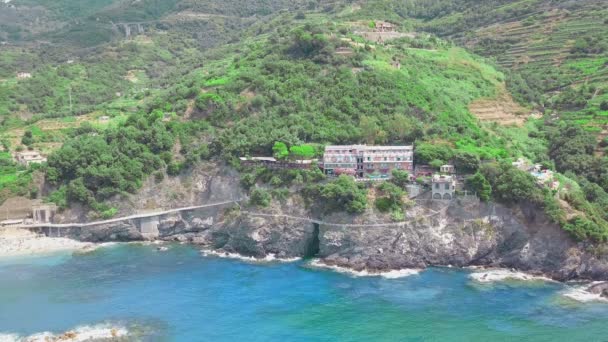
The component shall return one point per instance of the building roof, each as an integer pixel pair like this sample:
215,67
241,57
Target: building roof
442,179
369,147
269,159
28,153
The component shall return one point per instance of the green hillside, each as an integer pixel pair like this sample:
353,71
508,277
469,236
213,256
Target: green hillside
164,101
554,53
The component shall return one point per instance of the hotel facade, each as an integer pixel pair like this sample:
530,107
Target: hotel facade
368,162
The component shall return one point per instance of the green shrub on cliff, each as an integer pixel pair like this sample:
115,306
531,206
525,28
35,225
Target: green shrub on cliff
341,194
260,197
585,229
480,185
511,185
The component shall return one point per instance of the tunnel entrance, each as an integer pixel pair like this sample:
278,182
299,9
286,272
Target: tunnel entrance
313,245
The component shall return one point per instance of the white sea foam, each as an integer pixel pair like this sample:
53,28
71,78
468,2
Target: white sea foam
268,258
394,274
9,337
581,294
498,275
79,334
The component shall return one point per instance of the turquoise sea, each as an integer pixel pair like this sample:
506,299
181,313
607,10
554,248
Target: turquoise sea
179,295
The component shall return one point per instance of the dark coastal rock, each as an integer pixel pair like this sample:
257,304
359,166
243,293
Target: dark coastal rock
601,289
459,233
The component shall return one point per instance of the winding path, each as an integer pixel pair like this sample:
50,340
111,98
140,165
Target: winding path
177,210
333,224
125,218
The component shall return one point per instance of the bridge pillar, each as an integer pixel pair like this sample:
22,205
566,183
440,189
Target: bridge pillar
127,30
148,227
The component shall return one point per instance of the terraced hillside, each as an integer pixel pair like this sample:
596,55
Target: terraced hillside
555,53
558,52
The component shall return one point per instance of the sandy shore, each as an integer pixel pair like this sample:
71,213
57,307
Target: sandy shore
21,242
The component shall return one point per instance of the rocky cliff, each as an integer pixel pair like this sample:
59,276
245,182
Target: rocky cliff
458,233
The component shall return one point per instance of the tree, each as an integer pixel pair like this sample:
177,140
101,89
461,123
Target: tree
280,150
391,200
480,185
344,194
511,185
28,138
400,178
371,131
302,151
427,152
436,163
582,228
604,105
466,162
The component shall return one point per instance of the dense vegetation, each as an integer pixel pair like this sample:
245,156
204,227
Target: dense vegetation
295,81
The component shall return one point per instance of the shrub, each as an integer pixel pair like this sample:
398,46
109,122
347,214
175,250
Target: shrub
280,150
511,185
581,229
400,178
174,168
383,204
344,194
109,213
280,194
260,197
248,180
480,185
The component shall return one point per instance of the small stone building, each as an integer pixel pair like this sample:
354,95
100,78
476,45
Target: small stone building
443,187
43,213
447,169
29,157
23,75
383,26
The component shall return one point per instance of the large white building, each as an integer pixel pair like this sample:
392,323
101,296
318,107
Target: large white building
371,162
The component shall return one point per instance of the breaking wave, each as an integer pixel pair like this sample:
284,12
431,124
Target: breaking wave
393,274
500,275
580,294
268,258
98,332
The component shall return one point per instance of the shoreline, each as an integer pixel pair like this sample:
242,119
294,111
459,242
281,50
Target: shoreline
82,333
236,256
20,243
489,275
390,274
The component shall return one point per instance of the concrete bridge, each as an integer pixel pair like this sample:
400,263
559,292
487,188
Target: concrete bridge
146,222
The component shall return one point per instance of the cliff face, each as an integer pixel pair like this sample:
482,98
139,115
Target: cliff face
459,233
464,234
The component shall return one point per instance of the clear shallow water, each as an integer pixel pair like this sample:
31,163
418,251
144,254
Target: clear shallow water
178,295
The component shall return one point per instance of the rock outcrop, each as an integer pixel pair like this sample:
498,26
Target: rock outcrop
462,234
600,288
458,233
